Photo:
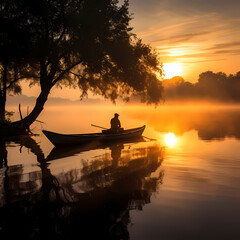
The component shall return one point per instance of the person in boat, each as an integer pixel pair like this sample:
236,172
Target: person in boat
115,124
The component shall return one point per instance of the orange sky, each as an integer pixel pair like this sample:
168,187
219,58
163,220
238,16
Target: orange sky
200,35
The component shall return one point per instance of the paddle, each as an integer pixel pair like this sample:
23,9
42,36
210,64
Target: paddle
99,126
151,139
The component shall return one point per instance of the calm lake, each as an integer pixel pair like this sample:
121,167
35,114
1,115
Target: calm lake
183,185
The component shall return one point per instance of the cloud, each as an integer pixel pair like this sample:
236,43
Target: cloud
191,58
206,60
182,37
224,45
228,9
167,59
229,52
155,30
187,7
166,48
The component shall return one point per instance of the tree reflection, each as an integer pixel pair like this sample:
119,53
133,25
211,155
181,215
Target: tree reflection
93,200
3,154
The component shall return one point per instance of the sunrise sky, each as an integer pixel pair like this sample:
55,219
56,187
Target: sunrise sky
191,36
195,35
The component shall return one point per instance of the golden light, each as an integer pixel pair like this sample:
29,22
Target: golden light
172,69
170,139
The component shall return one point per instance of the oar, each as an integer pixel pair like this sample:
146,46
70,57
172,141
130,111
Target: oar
98,126
151,139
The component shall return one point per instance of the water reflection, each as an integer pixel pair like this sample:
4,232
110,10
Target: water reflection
170,139
92,199
211,123
67,151
3,154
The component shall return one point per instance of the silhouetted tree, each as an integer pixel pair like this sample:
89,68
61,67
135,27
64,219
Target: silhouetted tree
178,88
88,44
210,86
13,53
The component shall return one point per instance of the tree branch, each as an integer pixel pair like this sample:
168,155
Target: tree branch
60,37
14,81
75,74
64,72
19,78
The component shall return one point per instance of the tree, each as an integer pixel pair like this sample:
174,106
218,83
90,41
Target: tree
88,44
210,86
13,49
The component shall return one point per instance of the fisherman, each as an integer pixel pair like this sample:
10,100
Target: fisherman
115,124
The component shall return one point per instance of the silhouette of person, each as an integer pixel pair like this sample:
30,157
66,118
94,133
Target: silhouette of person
115,124
116,150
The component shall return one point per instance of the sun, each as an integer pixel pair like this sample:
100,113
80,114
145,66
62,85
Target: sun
170,139
172,69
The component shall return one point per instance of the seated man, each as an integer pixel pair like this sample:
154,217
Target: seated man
115,124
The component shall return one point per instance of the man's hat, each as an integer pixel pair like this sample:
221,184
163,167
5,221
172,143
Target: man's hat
116,114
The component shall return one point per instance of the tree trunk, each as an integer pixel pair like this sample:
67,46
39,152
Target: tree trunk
3,94
46,82
41,100
2,107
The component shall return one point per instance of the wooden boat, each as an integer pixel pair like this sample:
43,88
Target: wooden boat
63,139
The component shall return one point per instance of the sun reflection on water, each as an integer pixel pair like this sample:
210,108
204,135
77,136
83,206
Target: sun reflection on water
170,139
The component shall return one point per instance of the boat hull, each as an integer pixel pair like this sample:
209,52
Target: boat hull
68,139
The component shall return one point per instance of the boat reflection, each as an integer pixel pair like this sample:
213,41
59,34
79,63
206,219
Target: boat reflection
67,151
92,200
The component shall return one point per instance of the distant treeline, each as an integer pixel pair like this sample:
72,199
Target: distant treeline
210,86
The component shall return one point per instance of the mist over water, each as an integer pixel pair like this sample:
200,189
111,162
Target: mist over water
184,185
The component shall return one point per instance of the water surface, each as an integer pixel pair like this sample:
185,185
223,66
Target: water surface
184,185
